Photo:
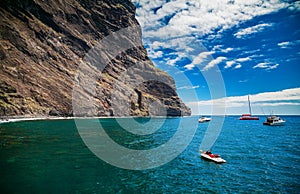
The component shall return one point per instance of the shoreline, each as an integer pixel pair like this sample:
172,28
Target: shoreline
13,119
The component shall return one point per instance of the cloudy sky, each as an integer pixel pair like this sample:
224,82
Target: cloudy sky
221,51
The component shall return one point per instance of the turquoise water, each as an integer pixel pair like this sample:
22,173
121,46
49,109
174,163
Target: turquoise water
50,157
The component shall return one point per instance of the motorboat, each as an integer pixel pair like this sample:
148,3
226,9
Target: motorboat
204,119
248,116
274,121
212,157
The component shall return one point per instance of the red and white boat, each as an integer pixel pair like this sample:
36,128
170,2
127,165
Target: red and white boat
248,116
212,157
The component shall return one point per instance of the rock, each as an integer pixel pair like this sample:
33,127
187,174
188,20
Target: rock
43,44
54,112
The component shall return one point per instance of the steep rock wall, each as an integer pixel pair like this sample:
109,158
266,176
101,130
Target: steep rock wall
44,44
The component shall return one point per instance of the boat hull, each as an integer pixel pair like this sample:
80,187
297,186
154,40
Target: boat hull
204,120
249,118
218,160
274,124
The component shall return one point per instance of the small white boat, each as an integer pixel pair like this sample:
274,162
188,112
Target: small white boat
204,119
212,157
274,121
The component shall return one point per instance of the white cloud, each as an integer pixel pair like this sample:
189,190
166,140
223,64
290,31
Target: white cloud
266,66
218,48
172,62
159,54
188,20
283,100
280,104
243,59
214,62
251,30
199,16
238,66
156,45
227,50
229,64
155,54
237,62
261,65
252,51
188,87
199,59
285,45
273,67
189,66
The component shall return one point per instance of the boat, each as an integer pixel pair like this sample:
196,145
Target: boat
274,121
212,157
204,119
248,116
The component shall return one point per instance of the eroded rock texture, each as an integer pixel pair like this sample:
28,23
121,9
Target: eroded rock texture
57,53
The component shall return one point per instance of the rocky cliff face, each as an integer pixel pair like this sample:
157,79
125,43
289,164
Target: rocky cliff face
49,51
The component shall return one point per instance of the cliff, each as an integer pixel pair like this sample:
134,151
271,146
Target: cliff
51,61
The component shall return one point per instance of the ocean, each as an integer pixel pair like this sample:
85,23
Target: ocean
55,156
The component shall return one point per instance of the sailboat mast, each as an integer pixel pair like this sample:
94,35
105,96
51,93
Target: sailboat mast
249,105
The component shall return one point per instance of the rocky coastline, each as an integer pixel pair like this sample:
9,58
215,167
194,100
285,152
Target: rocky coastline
44,43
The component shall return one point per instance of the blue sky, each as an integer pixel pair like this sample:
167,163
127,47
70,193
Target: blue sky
220,51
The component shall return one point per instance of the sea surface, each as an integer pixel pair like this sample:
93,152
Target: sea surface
50,156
